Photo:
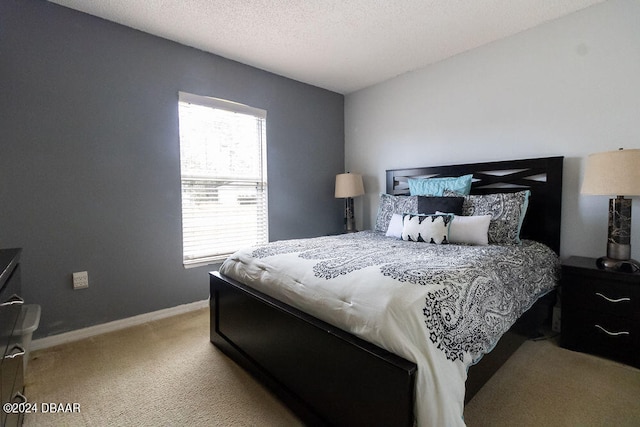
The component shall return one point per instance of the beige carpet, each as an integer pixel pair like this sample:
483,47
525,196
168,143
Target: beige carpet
163,373
543,384
167,373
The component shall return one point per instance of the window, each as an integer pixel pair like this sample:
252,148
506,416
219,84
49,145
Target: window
224,177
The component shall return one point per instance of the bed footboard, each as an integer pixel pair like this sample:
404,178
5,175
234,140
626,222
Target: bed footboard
324,374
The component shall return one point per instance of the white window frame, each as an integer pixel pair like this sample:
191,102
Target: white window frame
206,241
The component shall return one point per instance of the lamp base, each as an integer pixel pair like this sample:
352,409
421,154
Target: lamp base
621,265
619,239
349,219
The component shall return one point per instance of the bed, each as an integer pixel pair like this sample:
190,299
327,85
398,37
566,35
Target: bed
332,370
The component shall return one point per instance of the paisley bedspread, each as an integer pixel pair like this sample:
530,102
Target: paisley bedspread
440,306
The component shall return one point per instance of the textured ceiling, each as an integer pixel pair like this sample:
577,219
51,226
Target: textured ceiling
340,45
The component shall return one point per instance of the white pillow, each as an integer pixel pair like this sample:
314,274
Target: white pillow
426,228
472,230
395,226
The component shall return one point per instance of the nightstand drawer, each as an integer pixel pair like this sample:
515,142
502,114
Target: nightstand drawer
607,335
600,310
612,297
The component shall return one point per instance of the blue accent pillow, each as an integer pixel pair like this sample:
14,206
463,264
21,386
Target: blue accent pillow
437,186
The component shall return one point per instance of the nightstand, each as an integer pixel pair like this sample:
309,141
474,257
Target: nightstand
600,311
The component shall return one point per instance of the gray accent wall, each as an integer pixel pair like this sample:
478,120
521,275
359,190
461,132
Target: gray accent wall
89,160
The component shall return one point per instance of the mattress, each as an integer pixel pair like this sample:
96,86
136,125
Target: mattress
440,306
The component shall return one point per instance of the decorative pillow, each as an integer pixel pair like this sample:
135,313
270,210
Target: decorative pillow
507,212
389,205
426,228
395,226
436,186
433,204
469,230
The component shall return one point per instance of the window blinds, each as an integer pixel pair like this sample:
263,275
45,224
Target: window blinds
223,175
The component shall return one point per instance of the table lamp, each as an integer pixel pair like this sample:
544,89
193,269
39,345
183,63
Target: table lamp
615,173
348,186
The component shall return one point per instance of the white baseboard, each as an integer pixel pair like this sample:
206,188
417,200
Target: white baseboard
91,331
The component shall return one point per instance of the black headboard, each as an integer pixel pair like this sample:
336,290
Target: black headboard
543,176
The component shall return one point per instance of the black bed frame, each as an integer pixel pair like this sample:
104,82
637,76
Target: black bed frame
330,377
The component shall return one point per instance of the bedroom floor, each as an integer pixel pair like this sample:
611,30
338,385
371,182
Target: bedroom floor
168,373
544,384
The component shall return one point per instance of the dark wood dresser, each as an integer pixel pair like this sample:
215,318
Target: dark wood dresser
11,370
600,311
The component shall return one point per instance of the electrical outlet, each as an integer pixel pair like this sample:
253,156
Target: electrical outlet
80,280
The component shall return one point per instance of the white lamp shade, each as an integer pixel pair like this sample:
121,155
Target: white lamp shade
613,173
349,185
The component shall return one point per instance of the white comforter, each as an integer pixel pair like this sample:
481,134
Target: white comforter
440,306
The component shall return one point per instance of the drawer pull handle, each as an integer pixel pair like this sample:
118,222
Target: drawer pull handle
15,351
613,300
20,396
613,334
14,299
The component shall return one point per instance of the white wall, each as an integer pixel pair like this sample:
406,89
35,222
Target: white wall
569,87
